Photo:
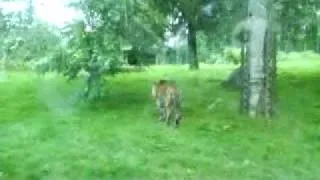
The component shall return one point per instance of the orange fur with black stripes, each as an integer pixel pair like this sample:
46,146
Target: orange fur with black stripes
168,102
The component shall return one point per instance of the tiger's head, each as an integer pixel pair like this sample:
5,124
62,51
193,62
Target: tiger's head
156,87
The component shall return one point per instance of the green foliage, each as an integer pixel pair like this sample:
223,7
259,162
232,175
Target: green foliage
96,44
210,54
232,55
298,24
46,134
24,41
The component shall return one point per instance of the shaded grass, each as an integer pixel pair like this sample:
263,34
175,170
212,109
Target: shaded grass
46,133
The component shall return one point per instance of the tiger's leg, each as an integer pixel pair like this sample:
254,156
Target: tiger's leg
162,114
161,108
168,114
169,104
178,118
178,115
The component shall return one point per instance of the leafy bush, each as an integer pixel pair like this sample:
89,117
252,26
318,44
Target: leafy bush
232,55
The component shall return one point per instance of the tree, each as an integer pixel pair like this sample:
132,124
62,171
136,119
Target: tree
187,13
258,93
96,43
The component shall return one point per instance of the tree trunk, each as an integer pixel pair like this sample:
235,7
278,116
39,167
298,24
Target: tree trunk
318,33
192,45
244,106
284,42
3,71
259,73
311,37
255,63
235,79
269,93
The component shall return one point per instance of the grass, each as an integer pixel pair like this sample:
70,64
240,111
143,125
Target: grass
45,133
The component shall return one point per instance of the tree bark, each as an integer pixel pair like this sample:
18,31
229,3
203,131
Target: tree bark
255,63
270,49
192,45
259,73
311,37
244,106
3,72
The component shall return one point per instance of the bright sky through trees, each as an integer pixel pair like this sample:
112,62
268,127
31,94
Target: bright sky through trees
52,11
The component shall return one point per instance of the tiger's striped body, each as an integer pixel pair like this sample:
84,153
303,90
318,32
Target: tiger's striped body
168,101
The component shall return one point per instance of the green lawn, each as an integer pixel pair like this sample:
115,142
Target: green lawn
45,133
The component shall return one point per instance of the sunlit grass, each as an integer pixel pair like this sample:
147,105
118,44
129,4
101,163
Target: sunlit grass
46,133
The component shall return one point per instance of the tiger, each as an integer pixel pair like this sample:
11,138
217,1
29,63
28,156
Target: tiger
168,101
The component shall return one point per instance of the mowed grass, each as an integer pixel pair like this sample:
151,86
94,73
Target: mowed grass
47,133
